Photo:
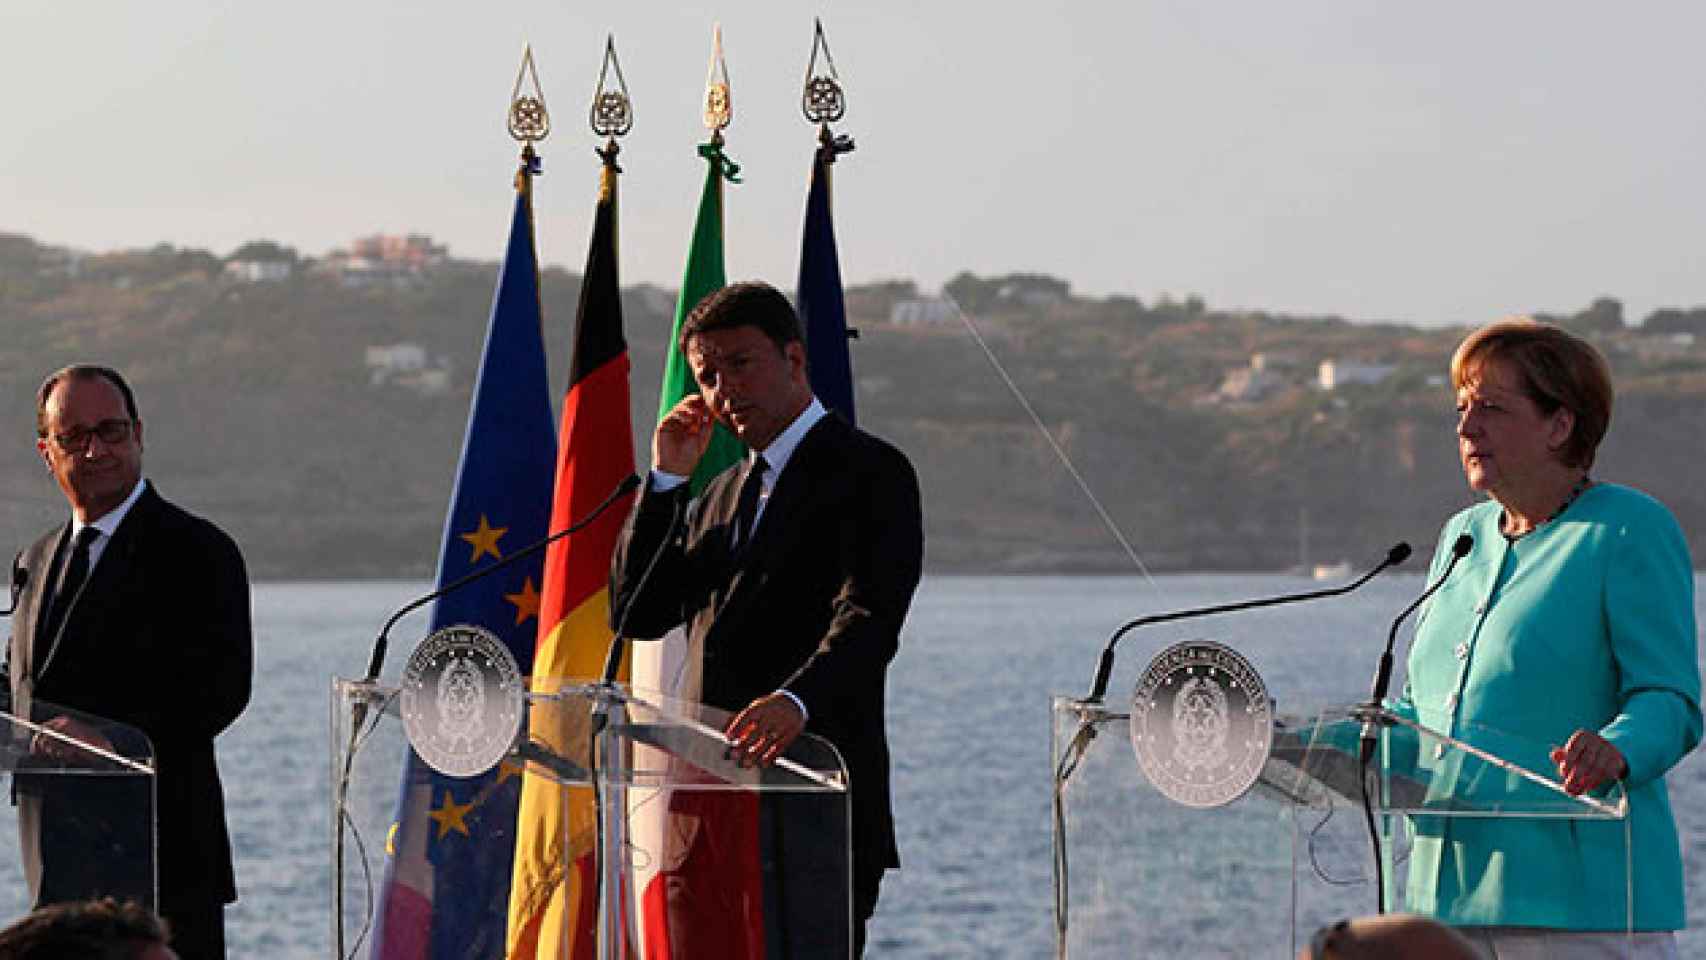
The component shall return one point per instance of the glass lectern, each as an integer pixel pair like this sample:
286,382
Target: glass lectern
1137,874
691,846
80,809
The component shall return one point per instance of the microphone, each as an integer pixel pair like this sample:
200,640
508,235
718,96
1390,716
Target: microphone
359,715
20,576
619,631
627,486
1399,552
1383,674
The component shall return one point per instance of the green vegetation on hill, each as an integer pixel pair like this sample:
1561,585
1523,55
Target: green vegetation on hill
269,409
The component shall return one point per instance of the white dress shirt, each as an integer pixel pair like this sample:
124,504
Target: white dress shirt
107,523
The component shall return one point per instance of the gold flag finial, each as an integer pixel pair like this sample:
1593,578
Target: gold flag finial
529,121
719,100
823,101
612,111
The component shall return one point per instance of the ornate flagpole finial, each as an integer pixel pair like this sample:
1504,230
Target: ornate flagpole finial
612,113
529,121
719,99
823,101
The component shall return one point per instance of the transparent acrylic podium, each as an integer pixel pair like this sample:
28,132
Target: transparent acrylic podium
1137,874
691,845
79,813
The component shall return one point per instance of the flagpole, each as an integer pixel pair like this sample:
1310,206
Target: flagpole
611,117
818,297
448,869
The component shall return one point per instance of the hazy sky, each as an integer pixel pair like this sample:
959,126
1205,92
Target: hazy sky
1427,162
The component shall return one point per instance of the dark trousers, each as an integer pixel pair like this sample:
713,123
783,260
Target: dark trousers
198,930
866,887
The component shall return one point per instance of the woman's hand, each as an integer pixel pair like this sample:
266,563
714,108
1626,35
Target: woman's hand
1587,761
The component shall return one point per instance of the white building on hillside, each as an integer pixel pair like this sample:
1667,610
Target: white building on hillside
1334,374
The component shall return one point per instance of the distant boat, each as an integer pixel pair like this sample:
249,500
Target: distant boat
1308,568
1331,571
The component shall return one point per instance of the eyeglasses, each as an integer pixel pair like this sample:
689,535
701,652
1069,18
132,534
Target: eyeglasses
110,431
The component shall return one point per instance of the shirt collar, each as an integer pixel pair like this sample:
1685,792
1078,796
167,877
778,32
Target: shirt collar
786,442
108,522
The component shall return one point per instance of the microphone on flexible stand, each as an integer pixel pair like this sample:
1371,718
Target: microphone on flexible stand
604,699
359,715
627,486
619,630
1382,681
1399,552
377,660
1383,674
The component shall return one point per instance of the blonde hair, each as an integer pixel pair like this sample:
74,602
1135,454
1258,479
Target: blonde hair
1554,368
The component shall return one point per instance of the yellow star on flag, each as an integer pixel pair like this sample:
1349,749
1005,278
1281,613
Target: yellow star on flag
507,769
450,816
485,540
526,602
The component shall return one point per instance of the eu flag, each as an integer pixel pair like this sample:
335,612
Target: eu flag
446,891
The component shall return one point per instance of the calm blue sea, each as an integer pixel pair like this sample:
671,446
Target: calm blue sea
969,726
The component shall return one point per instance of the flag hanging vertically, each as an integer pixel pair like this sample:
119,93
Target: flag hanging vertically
446,892
670,824
553,898
664,666
704,274
823,311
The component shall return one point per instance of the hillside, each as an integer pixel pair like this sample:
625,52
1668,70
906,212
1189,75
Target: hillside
268,410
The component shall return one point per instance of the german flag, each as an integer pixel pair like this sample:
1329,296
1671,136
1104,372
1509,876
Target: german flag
553,909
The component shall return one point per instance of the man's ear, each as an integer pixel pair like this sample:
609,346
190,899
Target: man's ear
795,351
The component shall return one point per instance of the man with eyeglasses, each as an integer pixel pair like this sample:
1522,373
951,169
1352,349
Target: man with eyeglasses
138,612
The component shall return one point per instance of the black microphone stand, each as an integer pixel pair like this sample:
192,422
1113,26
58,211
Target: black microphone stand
607,696
1372,711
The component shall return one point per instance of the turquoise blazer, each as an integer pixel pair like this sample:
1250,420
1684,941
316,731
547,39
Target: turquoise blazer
1586,623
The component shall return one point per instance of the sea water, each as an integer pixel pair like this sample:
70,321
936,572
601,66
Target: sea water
968,728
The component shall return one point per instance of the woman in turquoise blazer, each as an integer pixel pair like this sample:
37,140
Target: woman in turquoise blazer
1570,623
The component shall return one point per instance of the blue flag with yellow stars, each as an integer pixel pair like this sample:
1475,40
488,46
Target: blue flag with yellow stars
449,857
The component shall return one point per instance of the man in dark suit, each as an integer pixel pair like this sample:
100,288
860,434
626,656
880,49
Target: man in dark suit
793,570
138,612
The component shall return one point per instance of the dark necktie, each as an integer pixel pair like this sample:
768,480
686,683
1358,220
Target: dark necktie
746,509
76,571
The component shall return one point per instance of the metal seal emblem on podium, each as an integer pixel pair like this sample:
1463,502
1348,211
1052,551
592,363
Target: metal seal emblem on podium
462,700
1201,724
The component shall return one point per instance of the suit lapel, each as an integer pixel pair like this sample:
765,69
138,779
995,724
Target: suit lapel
800,484
91,608
32,604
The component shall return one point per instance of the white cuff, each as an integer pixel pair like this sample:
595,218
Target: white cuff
663,481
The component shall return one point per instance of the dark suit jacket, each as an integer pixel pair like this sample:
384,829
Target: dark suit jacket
815,604
158,638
